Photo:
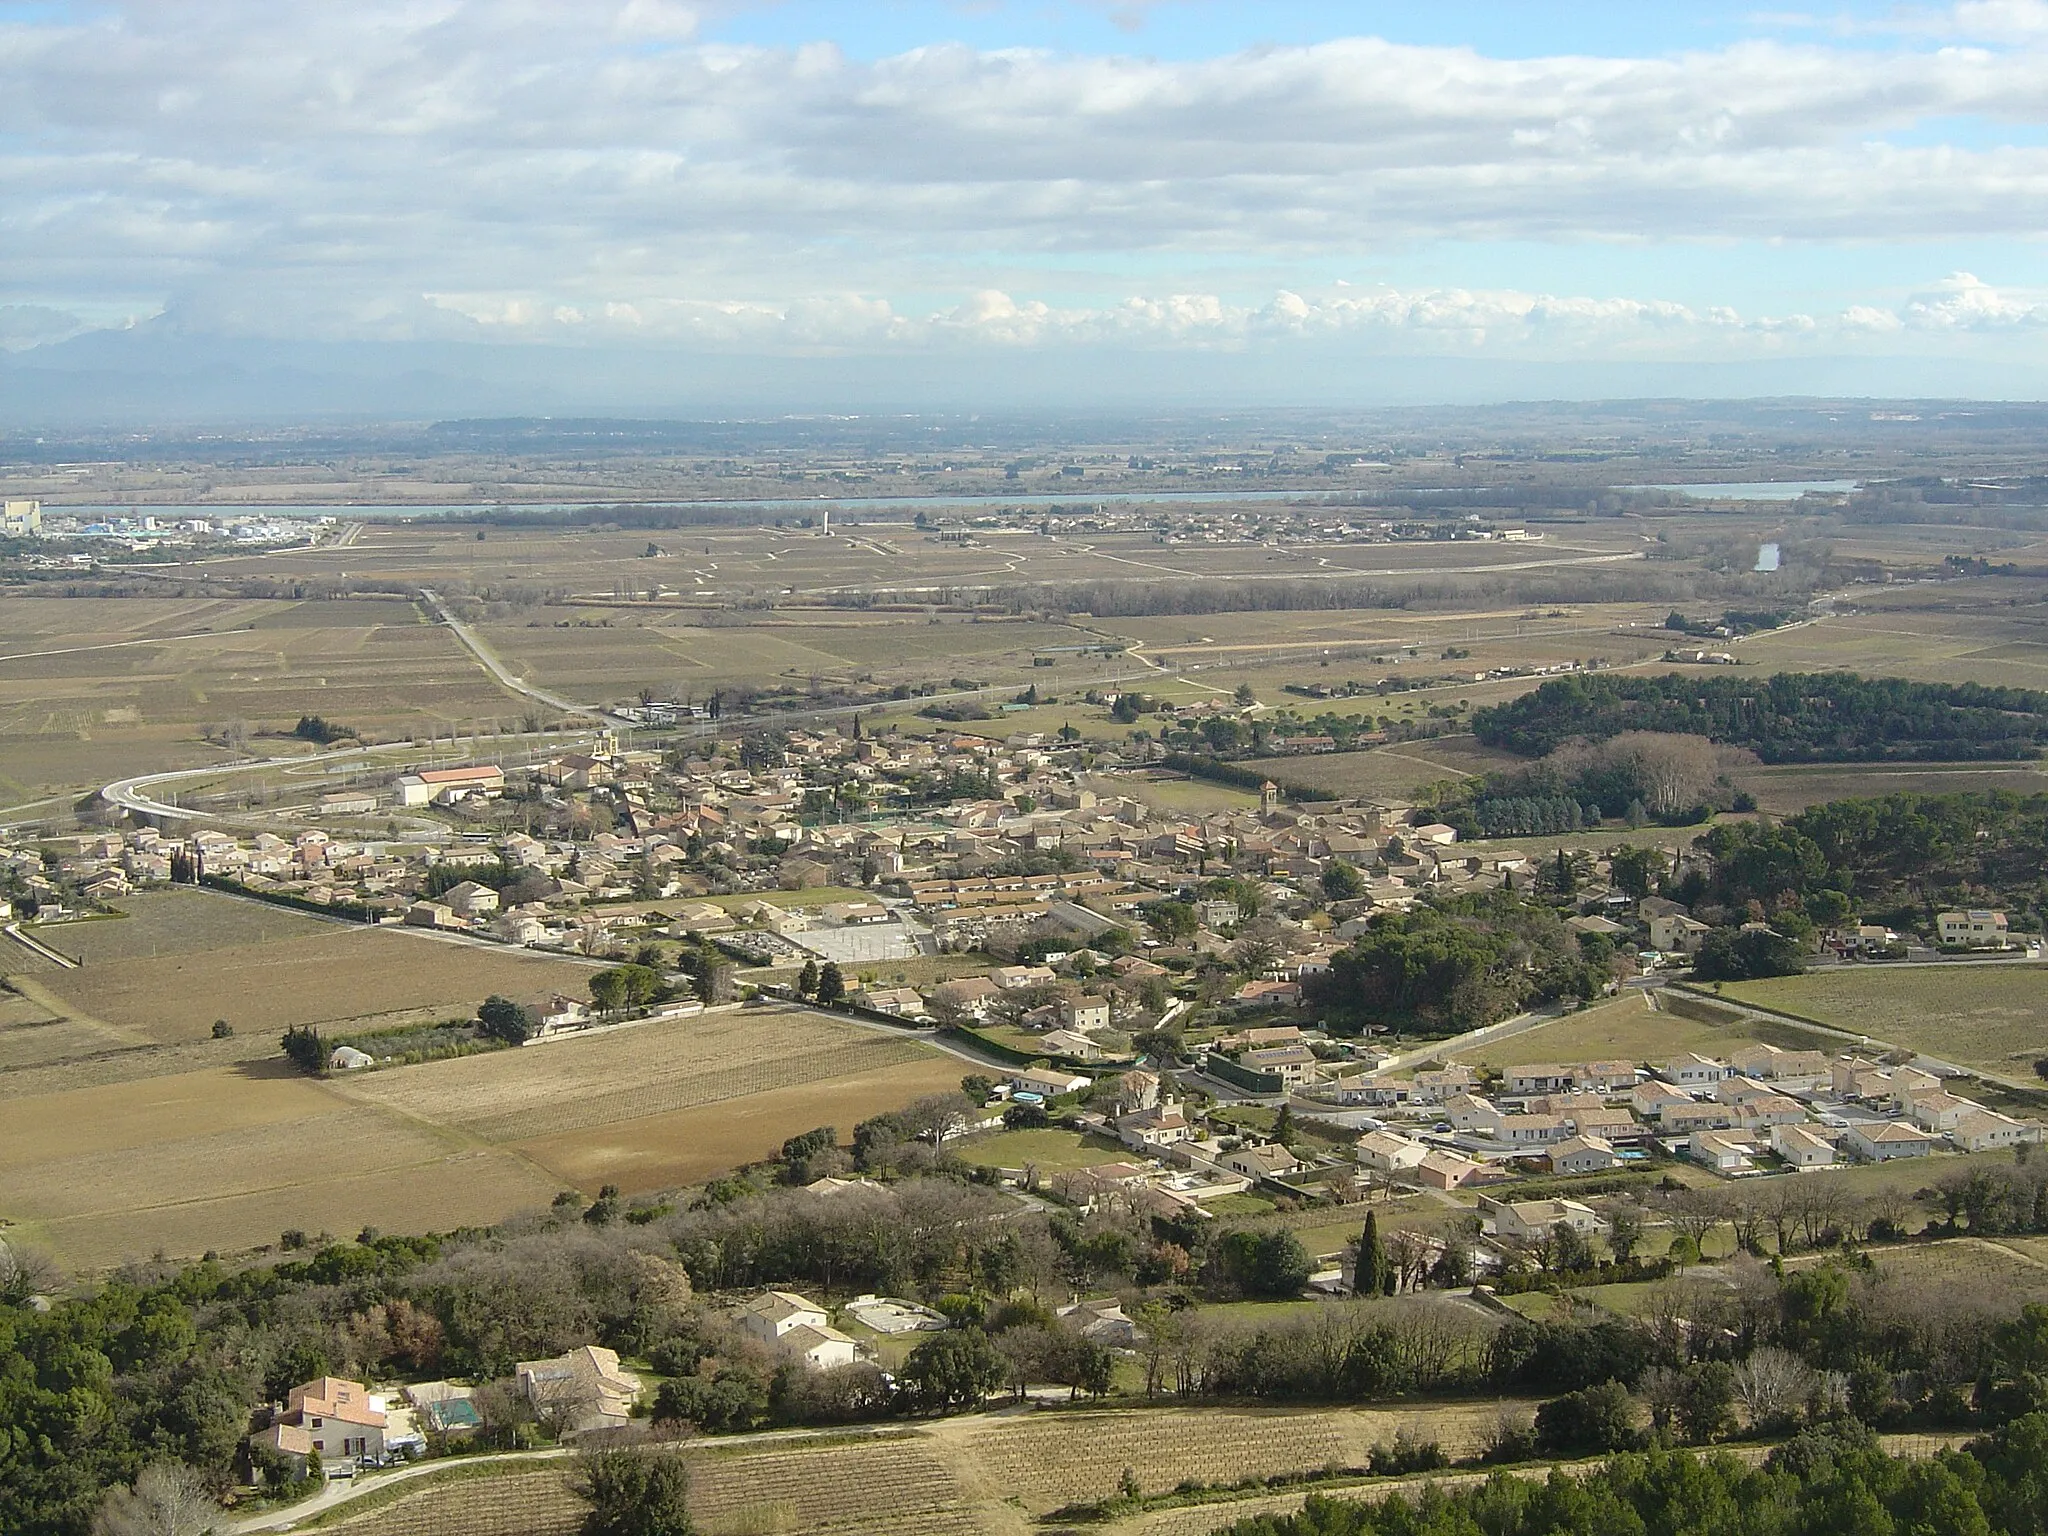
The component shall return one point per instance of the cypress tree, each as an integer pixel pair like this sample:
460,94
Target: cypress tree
1371,1276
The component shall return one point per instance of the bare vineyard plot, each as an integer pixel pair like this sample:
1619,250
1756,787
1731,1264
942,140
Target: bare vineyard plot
686,1146
319,974
216,1159
1994,1017
628,1074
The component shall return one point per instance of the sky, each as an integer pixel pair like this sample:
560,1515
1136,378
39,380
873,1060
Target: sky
642,203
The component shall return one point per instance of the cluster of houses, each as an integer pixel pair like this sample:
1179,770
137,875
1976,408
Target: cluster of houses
1764,1106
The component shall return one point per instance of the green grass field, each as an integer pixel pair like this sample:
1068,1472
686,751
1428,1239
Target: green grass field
1050,1149
1990,1016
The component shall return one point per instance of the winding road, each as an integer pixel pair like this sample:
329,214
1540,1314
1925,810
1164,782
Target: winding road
497,669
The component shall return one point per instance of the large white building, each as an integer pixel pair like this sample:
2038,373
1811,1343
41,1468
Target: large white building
445,786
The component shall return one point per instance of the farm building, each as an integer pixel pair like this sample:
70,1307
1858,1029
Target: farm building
447,786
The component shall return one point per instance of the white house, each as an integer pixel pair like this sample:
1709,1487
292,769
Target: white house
469,899
1161,1125
1652,1098
1692,1071
1879,1141
1938,1111
1974,929
1531,1130
1527,1078
1772,1109
773,1314
1292,1064
820,1344
449,785
1801,1147
1529,1220
1390,1153
1677,934
1719,1151
1583,1154
1046,1082
1469,1112
334,1418
1984,1130
1261,1162
1084,1013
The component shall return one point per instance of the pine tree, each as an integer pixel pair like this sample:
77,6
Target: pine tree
1372,1274
831,985
807,978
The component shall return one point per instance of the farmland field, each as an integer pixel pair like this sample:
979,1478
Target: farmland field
1628,1029
685,1146
111,1146
628,1074
1990,1016
1787,791
1390,772
227,1158
191,957
94,687
984,1475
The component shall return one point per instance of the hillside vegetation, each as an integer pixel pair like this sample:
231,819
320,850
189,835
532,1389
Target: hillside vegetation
1793,717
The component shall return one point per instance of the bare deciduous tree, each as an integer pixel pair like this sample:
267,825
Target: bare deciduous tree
168,1499
1772,1385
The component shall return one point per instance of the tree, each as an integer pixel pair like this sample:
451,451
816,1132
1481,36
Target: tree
25,1273
1272,1265
306,1050
1624,1230
1342,882
1747,954
625,986
807,979
632,1491
1634,869
1173,921
1706,1400
954,1369
978,1086
1587,1423
1283,1125
1244,696
1370,1276
831,985
168,1499
1773,1384
506,1020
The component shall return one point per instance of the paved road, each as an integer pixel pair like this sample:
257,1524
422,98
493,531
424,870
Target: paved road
37,946
132,794
497,669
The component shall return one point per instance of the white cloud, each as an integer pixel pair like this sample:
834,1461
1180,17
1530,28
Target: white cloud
1371,319
1962,301
432,167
